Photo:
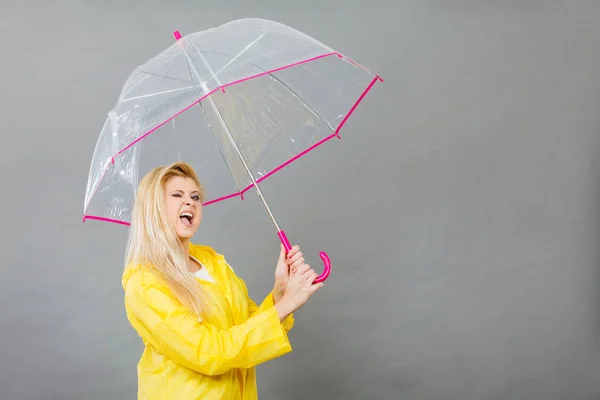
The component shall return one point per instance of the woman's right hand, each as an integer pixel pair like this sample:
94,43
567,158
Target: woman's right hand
299,288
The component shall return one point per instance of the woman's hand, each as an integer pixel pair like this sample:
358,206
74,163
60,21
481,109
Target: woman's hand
299,288
287,263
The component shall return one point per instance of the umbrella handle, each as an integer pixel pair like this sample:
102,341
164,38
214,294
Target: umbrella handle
324,257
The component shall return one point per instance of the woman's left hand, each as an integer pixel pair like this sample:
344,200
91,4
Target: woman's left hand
286,263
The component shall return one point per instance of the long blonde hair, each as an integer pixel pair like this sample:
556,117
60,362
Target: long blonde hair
153,241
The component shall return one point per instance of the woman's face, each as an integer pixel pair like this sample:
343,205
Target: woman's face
184,209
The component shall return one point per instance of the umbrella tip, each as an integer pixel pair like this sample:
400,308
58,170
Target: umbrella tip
177,35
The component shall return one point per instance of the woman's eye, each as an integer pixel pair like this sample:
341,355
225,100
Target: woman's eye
196,198
176,195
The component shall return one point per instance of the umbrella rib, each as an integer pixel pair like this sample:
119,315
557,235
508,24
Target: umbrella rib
164,76
240,53
210,70
147,108
220,149
146,113
305,103
199,93
157,94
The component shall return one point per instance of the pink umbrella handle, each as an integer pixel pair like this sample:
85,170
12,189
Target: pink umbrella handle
324,257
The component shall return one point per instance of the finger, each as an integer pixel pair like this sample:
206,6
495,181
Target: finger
309,277
293,251
316,287
301,270
281,253
293,269
298,263
292,258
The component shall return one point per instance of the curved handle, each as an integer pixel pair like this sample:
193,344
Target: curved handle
324,257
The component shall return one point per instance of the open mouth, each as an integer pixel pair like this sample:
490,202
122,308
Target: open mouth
186,218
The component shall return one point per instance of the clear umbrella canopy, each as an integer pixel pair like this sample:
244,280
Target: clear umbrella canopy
238,102
278,92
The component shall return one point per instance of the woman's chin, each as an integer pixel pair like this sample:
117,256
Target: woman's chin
185,232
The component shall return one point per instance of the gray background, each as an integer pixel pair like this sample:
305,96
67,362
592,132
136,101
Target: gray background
461,208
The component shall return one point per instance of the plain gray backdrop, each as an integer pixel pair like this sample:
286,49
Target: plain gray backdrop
460,209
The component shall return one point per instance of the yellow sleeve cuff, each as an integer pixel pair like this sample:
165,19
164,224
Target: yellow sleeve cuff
268,302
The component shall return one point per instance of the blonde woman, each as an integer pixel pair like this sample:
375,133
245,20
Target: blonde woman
203,335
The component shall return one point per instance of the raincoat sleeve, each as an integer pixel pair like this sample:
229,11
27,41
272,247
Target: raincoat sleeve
178,334
267,303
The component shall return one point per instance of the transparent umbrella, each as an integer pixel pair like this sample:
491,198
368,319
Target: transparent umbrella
238,102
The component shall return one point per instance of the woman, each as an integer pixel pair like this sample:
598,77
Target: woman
203,335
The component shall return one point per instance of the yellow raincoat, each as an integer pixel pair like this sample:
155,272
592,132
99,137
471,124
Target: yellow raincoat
187,359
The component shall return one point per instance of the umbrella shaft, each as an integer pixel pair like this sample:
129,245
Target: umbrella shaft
239,153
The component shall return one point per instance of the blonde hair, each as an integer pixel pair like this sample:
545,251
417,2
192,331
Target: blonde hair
153,242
